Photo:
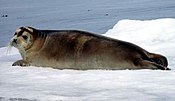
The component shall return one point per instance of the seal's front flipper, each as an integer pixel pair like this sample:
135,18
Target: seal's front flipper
20,63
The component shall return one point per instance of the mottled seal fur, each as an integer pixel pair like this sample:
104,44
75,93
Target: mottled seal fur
81,50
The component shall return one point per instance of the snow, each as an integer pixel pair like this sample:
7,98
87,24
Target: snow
47,84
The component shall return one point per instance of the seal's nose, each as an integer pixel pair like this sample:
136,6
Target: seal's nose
14,40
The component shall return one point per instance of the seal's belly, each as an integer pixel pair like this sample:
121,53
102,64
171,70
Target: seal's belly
82,63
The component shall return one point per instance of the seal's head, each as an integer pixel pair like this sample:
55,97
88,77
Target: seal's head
23,38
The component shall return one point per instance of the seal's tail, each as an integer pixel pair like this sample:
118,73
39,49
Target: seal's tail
159,59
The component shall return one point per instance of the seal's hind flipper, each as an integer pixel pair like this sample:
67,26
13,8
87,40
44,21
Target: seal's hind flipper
145,64
159,59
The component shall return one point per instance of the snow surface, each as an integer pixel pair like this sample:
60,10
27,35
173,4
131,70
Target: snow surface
47,84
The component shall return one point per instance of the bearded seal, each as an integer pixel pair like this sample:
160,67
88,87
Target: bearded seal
81,50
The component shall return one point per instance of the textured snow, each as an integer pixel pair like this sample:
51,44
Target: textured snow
44,84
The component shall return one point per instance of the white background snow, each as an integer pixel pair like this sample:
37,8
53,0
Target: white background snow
111,17
47,84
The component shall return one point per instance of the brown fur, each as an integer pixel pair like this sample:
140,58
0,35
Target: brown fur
72,49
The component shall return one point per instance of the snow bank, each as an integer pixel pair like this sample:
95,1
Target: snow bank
34,83
146,32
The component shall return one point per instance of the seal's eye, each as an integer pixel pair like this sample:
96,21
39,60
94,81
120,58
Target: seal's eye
25,37
15,34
